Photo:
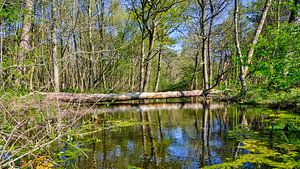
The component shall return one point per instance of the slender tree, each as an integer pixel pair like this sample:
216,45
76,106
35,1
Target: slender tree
244,64
54,47
25,36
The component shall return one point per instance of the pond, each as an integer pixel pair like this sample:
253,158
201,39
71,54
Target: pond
169,135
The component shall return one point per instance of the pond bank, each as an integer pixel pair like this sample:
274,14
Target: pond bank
282,100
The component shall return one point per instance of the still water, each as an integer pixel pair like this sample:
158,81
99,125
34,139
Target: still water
169,135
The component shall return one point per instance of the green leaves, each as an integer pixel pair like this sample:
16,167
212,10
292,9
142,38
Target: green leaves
10,12
278,57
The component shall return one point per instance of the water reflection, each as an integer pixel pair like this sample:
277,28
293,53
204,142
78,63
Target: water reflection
171,136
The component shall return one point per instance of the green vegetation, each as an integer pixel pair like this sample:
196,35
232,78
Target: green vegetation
277,100
132,45
35,135
250,51
279,156
276,146
278,58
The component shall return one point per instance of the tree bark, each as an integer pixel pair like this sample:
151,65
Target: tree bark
94,98
204,45
102,44
91,46
256,35
152,35
209,49
157,80
244,65
194,84
238,50
25,37
142,62
78,60
54,48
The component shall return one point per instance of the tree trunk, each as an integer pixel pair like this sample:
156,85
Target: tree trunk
238,50
78,63
63,65
25,36
158,69
132,80
244,65
91,46
94,98
149,55
47,76
142,62
194,84
102,45
209,49
54,48
256,35
204,47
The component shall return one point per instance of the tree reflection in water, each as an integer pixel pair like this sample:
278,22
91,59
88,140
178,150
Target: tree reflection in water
183,137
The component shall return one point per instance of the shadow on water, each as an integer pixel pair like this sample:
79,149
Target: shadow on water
173,135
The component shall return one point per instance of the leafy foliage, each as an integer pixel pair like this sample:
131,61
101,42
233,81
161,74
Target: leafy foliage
278,58
9,11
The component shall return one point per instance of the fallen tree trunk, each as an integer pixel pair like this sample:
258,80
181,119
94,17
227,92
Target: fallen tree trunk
94,98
